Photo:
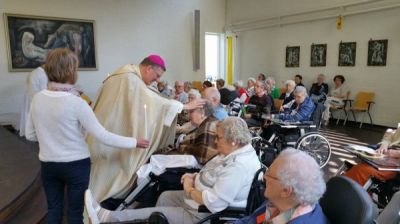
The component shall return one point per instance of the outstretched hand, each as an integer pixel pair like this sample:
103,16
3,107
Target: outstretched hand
142,143
194,104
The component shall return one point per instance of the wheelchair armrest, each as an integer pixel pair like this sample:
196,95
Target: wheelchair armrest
228,211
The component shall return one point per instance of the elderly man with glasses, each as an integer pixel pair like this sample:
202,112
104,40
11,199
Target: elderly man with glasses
292,194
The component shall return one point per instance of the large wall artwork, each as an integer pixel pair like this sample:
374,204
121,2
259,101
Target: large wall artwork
30,38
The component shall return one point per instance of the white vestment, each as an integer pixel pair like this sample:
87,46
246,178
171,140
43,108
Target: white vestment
120,109
36,81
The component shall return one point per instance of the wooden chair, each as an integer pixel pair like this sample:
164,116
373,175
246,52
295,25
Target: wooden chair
278,103
281,91
341,109
362,104
197,85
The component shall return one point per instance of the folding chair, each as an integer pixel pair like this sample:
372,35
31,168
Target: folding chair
362,103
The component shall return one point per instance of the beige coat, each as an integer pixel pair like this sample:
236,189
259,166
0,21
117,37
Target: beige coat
120,109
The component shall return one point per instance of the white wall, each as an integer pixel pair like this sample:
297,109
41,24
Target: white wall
126,32
263,50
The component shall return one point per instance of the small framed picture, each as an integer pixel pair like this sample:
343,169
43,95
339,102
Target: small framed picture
292,56
318,55
347,54
377,52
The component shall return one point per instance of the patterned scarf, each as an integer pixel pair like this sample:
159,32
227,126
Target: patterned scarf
63,87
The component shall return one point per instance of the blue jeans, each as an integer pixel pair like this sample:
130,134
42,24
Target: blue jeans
75,177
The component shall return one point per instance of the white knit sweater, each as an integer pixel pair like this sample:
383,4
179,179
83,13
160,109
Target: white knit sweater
58,120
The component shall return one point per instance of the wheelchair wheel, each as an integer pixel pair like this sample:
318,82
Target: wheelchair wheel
316,146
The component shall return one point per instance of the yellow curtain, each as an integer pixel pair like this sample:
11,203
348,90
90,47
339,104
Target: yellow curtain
230,63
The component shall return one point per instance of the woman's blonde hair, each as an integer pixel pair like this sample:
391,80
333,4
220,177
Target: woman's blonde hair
61,66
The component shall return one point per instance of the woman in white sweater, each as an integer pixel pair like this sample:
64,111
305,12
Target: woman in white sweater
58,119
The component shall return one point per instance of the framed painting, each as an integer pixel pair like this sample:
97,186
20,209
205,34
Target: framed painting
318,55
30,38
377,52
347,54
292,56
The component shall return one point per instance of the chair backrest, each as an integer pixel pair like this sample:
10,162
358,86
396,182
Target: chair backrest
345,201
197,85
281,91
362,99
256,193
278,103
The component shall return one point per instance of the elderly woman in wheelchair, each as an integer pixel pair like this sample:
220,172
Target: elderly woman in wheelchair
224,181
298,128
301,110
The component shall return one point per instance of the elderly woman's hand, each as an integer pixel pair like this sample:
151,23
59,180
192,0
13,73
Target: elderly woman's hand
188,185
383,148
188,175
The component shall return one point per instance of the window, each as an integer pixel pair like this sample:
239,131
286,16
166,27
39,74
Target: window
215,55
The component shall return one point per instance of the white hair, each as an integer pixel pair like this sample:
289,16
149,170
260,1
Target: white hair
290,83
235,130
301,172
270,79
252,79
301,90
195,93
238,83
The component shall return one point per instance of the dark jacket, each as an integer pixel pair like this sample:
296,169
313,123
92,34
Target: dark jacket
302,112
286,99
318,90
261,103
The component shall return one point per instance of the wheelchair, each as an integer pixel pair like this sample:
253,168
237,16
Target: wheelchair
382,191
254,200
303,136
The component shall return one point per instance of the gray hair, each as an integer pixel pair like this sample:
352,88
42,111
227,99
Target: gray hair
290,83
269,80
210,93
187,83
301,90
265,86
238,84
207,109
195,93
301,172
252,79
235,130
